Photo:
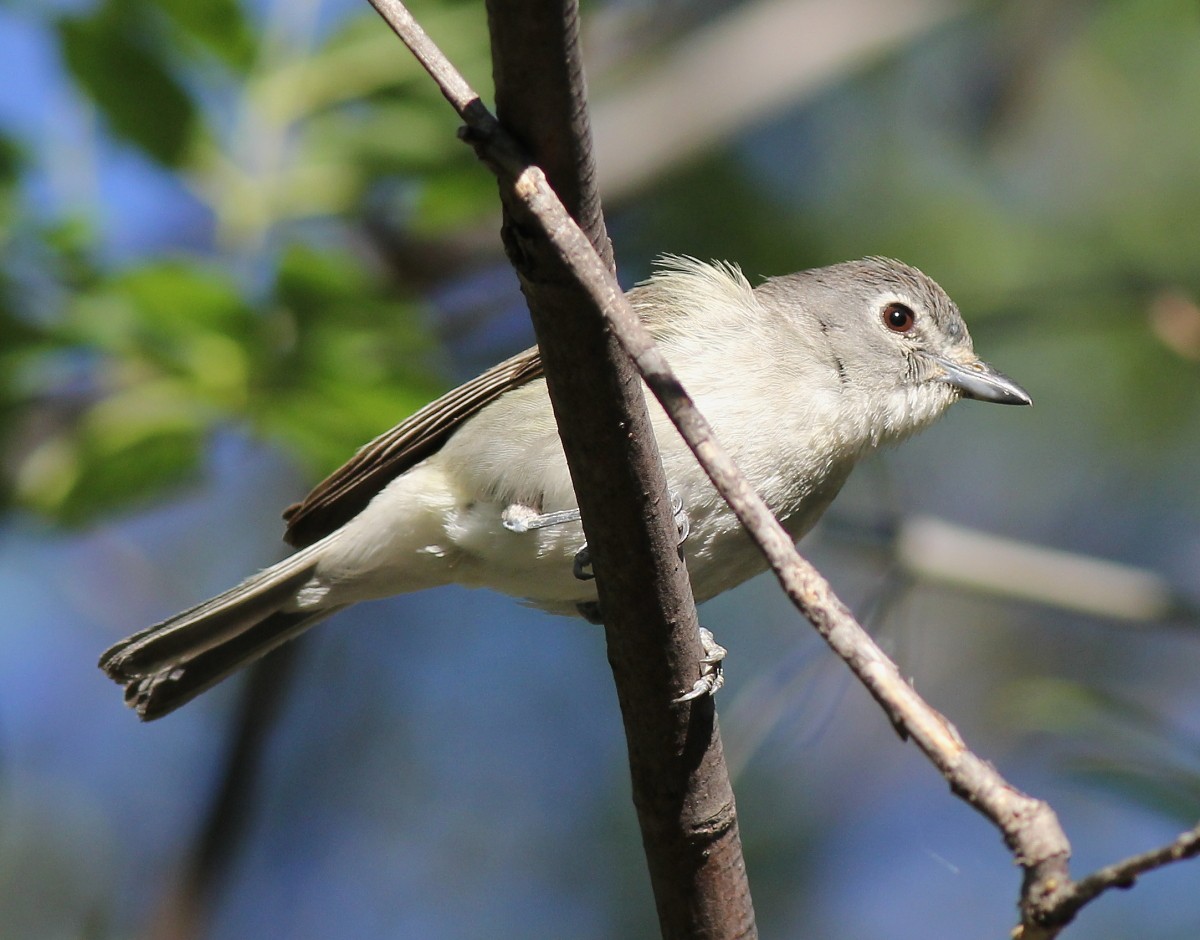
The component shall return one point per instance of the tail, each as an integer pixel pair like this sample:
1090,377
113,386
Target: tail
169,664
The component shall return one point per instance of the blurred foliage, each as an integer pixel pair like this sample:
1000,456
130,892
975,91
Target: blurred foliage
113,376
1052,182
127,380
1111,742
142,100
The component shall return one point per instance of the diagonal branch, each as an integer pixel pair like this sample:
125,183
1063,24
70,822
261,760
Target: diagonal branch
1030,828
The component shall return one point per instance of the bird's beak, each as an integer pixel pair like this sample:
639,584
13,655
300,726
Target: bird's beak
976,379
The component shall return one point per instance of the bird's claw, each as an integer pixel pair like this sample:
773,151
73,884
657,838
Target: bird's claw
683,524
712,673
583,558
581,567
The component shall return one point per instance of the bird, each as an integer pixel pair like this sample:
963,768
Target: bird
801,377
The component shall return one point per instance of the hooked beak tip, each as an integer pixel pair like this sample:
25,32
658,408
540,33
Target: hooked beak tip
980,381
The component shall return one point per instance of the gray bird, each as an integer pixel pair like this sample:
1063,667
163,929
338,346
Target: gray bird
800,377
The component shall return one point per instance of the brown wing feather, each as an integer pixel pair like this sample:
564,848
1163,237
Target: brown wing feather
346,492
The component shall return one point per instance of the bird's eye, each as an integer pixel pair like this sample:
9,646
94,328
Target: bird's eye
899,318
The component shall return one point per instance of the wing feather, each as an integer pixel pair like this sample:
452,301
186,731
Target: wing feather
345,493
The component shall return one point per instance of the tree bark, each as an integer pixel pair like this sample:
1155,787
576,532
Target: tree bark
680,783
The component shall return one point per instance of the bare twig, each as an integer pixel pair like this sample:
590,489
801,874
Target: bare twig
1049,898
1123,874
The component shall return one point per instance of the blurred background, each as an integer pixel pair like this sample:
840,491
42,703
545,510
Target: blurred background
238,239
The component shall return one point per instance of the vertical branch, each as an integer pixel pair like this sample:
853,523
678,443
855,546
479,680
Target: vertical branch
680,784
541,99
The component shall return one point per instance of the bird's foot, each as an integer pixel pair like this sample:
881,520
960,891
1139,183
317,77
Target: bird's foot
683,525
712,674
520,518
581,567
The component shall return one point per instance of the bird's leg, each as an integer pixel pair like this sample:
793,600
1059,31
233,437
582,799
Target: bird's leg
521,518
683,525
712,675
712,672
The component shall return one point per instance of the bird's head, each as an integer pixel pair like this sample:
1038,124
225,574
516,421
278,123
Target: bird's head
895,341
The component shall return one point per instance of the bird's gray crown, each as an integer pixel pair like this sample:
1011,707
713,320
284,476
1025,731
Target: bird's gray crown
852,287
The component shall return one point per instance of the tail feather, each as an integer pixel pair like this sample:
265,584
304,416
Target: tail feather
172,662
155,694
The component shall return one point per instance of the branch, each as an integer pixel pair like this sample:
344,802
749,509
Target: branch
541,100
1123,874
680,782
1049,898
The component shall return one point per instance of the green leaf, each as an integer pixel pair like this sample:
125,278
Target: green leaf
175,316
125,448
451,198
357,362
128,78
102,482
12,158
217,25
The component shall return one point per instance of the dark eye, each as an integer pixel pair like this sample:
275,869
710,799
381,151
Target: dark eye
898,318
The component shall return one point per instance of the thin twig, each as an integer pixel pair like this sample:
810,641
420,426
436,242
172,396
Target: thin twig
1123,874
